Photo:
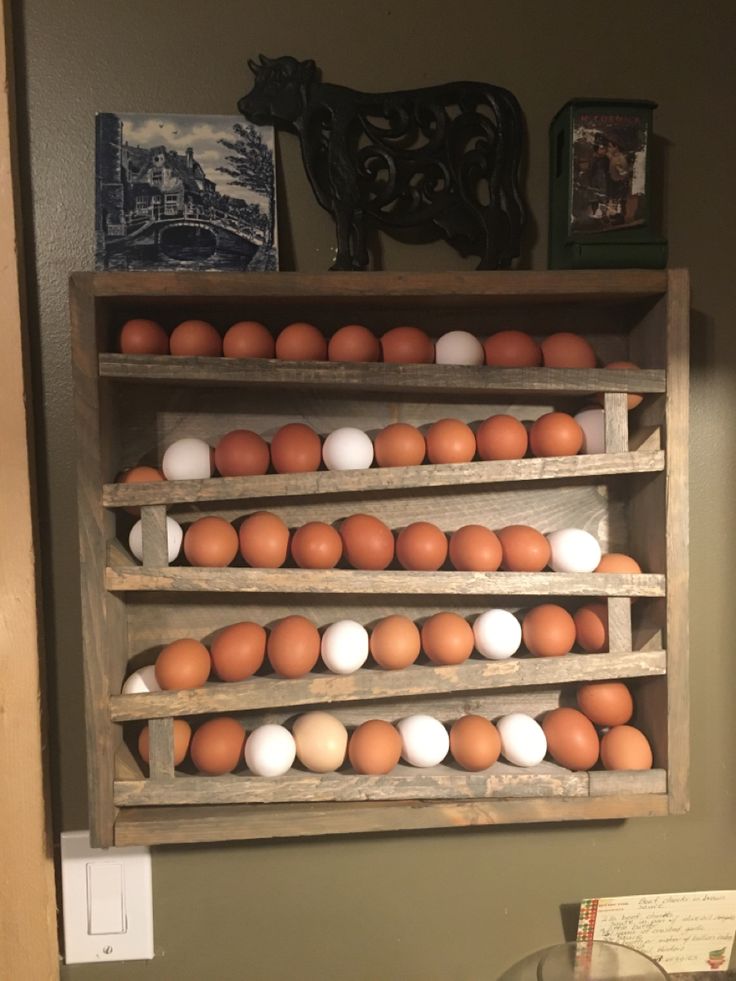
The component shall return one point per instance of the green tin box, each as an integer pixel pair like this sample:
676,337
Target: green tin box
600,197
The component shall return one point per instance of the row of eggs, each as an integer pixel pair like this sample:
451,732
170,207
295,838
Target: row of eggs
321,743
264,541
301,341
297,448
294,645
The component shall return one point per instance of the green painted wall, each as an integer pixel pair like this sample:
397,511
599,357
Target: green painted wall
461,904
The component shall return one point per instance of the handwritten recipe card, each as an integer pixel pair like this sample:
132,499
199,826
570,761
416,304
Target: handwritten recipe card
685,931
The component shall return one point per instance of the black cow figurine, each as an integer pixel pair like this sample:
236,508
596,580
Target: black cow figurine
443,158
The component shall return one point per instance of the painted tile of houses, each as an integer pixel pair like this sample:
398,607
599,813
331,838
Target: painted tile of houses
162,183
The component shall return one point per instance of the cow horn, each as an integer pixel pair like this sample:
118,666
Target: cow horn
253,66
265,60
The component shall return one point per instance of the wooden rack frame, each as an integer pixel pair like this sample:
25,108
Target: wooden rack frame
635,491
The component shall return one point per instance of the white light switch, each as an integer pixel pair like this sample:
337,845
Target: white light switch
105,898
108,905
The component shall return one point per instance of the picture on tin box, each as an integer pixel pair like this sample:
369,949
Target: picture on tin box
184,192
608,171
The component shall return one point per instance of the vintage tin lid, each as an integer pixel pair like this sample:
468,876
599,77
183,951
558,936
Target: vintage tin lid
587,101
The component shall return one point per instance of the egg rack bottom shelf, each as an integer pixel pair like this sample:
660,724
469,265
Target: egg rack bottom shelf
607,795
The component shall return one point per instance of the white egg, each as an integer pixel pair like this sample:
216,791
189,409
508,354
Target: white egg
270,750
187,459
174,536
142,680
345,646
459,347
573,550
593,424
347,449
497,634
523,742
424,740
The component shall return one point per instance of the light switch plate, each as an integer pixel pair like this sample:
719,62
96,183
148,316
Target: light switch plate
107,901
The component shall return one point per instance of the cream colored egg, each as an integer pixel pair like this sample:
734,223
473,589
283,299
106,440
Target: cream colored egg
321,741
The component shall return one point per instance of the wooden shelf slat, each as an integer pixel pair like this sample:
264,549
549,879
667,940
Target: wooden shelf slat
386,478
402,783
369,684
375,288
349,581
459,380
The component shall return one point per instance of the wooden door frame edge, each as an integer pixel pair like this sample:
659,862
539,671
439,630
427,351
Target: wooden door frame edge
28,911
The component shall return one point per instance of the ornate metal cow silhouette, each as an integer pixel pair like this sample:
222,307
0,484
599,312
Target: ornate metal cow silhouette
443,158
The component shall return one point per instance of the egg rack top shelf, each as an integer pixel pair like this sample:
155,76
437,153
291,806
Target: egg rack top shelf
633,495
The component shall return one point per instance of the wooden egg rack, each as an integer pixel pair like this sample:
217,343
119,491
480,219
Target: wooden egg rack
633,498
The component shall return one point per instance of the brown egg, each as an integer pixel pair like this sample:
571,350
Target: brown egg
264,540
140,475
633,400
625,748
474,743
617,562
450,441
447,638
293,646
407,345
296,448
139,336
321,741
474,548
242,453
238,651
301,342
565,350
211,542
571,739
524,549
374,747
316,545
183,664
501,437
421,547
548,630
353,343
248,339
195,338
182,736
217,746
512,349
607,703
399,445
367,542
556,434
591,627
395,642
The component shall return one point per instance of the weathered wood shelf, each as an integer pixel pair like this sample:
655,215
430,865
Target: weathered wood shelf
371,684
399,583
461,380
381,479
633,497
403,783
